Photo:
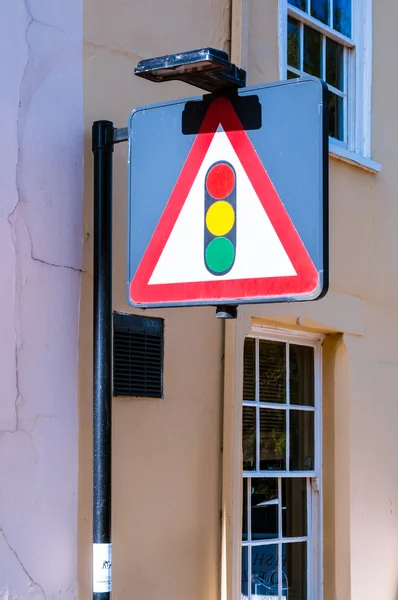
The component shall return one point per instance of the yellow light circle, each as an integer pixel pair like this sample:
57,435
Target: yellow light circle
220,218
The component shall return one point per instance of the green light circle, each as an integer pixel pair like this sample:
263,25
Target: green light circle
220,254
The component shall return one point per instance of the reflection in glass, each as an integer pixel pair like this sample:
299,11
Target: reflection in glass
272,440
336,117
264,513
334,64
244,510
301,440
342,16
312,52
293,46
245,573
301,359
294,507
272,359
264,571
249,438
295,570
249,369
320,10
299,4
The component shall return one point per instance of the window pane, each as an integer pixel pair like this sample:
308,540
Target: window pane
264,571
245,573
249,438
320,10
312,52
244,510
264,511
336,116
294,507
272,440
301,440
293,46
342,16
301,360
295,570
291,75
272,358
299,4
249,369
335,64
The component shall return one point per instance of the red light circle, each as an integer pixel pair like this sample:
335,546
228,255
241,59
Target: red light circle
220,181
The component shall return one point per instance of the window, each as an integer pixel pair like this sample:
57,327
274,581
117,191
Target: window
281,431
326,39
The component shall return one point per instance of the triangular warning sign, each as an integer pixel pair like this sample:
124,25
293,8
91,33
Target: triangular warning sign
224,234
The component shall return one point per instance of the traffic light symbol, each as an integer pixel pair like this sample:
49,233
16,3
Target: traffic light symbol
220,218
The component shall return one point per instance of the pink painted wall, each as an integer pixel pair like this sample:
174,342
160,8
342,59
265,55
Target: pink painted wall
41,181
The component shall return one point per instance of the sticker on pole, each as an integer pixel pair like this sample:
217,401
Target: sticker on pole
102,568
224,234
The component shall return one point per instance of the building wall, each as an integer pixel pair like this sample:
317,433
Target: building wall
166,461
41,185
166,453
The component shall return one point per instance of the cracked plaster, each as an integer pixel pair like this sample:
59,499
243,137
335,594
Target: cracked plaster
40,227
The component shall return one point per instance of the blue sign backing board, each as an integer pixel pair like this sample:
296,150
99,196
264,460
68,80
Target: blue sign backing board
228,198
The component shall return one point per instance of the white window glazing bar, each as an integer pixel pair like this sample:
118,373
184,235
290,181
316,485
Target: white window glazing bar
274,474
249,537
273,541
257,402
331,7
280,533
278,406
323,62
301,57
309,543
287,453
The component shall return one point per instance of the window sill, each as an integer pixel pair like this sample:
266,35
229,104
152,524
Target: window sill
357,160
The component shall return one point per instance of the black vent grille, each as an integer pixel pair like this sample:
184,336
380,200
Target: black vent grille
137,356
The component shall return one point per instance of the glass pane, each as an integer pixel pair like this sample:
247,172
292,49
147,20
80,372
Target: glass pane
335,64
272,359
301,375
301,440
264,511
295,571
312,52
249,438
265,572
342,16
244,510
291,75
245,573
272,440
336,117
293,46
299,4
320,10
294,507
249,369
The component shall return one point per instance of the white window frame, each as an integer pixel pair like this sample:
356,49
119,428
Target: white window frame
358,65
314,490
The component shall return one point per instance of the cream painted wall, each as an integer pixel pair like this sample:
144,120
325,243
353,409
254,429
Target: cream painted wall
167,453
41,185
361,372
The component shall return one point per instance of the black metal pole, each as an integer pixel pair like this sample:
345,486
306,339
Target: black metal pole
102,146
